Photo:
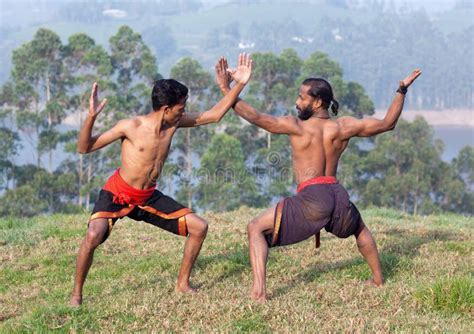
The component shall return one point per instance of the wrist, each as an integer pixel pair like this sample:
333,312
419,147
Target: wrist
402,90
224,89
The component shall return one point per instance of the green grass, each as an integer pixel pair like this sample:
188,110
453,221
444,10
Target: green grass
427,263
449,295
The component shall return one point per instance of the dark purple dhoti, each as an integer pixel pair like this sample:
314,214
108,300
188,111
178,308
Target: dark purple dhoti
320,203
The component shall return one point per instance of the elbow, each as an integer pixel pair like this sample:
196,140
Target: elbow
391,126
216,119
82,150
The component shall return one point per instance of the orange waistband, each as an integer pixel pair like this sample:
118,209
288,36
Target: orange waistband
317,180
124,193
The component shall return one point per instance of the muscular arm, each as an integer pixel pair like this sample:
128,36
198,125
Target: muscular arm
241,76
279,125
214,114
352,127
88,143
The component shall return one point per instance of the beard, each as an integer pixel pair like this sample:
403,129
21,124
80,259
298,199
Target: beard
305,113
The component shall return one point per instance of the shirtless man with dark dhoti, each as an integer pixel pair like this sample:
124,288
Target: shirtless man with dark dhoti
130,191
317,142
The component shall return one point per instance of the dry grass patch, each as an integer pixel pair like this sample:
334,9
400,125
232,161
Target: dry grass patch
427,262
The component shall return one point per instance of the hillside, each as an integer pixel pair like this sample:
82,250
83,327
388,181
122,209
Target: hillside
427,262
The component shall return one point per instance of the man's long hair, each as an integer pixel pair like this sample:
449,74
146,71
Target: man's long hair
321,89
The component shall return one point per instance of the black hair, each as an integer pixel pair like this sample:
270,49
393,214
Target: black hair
167,92
321,89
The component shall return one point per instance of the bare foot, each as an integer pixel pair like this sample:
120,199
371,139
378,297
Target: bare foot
258,297
75,301
372,282
185,289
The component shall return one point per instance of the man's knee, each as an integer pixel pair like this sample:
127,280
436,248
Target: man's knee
253,227
196,225
96,233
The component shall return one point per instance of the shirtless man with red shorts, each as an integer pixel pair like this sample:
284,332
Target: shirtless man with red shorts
130,191
317,142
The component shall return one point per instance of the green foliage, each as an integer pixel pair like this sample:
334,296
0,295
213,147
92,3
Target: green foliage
50,81
22,201
191,141
404,170
225,182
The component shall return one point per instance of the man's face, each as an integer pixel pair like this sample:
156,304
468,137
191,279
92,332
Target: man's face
304,103
173,114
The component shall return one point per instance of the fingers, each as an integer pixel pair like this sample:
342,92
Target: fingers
416,73
249,61
218,66
226,66
101,105
231,72
94,90
244,60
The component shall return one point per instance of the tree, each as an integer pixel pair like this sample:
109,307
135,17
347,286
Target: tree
225,182
404,169
9,137
40,82
87,63
189,141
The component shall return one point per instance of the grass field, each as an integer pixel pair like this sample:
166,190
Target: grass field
427,263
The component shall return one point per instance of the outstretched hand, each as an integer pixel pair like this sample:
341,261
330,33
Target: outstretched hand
94,107
223,78
243,71
405,83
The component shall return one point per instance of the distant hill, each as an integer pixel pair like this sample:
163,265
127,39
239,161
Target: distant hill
204,30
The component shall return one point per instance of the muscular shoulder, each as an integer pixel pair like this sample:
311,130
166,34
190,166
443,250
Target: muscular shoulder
291,119
128,126
346,121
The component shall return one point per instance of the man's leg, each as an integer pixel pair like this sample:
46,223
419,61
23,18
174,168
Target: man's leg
95,234
368,249
197,230
258,251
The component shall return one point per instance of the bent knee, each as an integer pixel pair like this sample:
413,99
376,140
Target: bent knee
253,227
196,226
96,234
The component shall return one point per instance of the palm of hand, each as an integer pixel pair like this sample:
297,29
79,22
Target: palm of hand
409,79
242,74
94,107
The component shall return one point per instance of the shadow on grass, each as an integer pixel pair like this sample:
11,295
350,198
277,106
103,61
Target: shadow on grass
399,250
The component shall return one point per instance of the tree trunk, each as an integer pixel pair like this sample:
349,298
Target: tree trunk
81,168
50,122
189,167
38,158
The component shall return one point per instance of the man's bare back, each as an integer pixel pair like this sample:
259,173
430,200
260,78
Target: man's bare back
317,144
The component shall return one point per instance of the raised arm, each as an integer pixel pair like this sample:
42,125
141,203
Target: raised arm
280,125
352,127
86,142
241,76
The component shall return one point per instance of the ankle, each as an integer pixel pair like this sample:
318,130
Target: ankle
378,281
